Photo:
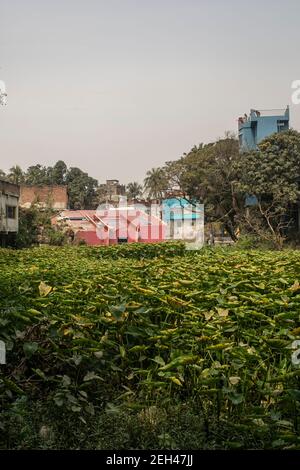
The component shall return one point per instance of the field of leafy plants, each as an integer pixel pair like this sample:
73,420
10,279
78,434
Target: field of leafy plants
149,346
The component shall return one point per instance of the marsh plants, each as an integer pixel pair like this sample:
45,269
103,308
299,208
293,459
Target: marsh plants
149,346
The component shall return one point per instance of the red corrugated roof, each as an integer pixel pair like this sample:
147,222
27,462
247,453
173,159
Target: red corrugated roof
89,219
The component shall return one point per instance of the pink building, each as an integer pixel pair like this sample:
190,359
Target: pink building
112,226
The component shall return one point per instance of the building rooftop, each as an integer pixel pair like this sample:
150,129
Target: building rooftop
259,124
255,114
7,187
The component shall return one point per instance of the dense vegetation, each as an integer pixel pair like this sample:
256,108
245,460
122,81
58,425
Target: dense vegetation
149,347
216,175
82,188
222,178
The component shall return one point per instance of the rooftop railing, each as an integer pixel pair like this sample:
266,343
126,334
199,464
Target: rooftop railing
269,112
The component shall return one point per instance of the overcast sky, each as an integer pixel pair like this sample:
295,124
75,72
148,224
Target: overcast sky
117,87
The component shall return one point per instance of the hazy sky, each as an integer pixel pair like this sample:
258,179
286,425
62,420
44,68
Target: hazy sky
117,87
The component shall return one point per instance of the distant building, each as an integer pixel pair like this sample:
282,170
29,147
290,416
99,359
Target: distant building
9,217
261,124
54,197
110,226
112,190
256,127
184,220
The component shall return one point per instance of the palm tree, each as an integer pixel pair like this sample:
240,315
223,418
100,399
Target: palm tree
134,190
155,183
16,175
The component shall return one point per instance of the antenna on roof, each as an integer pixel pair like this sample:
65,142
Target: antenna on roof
3,93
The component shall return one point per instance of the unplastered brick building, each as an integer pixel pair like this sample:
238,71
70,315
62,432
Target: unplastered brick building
54,197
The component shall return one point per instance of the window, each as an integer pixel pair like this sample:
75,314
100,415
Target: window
11,212
280,126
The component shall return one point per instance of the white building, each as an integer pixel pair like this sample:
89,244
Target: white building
9,217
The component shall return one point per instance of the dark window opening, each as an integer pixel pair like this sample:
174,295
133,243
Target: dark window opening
122,240
11,212
280,126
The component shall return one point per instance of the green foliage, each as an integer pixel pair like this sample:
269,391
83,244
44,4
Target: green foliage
156,183
33,425
58,174
81,187
220,177
206,174
15,175
37,175
250,241
274,169
93,333
55,237
28,227
272,174
137,250
134,190
35,227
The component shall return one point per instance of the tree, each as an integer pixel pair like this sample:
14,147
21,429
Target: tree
81,189
37,175
272,175
2,175
57,174
134,190
16,175
28,227
156,183
206,175
35,228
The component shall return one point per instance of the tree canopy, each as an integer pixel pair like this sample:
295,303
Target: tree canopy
81,187
272,175
134,190
222,178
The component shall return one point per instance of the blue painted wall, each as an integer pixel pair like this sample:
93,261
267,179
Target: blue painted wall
255,128
179,209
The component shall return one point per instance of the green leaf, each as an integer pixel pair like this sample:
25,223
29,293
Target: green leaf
30,348
159,360
66,381
76,408
236,398
176,381
91,376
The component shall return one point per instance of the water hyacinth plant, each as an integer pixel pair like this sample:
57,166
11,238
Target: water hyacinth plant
142,329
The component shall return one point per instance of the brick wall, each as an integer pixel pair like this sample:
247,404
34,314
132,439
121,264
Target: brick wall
45,196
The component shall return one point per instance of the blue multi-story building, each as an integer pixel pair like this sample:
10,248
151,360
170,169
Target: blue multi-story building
259,125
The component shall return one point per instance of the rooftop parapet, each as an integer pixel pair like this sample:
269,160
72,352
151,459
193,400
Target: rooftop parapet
255,114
